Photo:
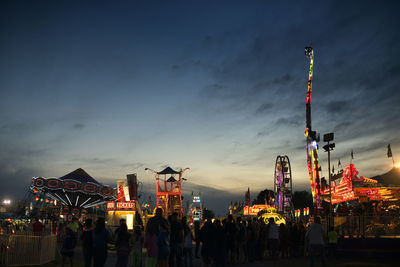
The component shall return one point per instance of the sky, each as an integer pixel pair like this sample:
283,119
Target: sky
217,86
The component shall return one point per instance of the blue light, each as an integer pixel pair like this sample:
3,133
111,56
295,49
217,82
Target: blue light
314,144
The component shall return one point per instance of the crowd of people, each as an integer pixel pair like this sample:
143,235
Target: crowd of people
229,242
175,243
239,241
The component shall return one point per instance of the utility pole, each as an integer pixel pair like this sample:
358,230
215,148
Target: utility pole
327,138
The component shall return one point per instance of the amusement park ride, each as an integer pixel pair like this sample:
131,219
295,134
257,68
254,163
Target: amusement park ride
75,192
283,186
169,193
312,139
345,185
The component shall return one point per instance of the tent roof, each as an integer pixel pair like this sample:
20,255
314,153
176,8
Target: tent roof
81,176
171,179
168,170
392,177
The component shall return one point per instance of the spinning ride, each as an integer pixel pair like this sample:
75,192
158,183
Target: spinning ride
283,186
312,138
76,192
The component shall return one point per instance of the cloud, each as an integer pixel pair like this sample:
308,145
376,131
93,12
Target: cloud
215,90
295,120
17,167
264,132
338,106
264,108
133,166
284,79
16,180
341,126
78,126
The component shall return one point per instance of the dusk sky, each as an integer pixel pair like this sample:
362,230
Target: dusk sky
218,86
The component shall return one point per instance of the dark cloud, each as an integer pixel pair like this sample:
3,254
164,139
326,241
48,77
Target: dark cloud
341,126
83,162
16,180
216,90
78,126
17,167
252,69
133,166
20,128
264,132
335,106
295,120
264,108
284,79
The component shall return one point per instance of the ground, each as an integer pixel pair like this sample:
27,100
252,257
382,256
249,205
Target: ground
367,260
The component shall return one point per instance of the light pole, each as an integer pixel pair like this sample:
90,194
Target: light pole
328,147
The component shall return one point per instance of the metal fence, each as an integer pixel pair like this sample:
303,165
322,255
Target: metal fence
367,226
27,249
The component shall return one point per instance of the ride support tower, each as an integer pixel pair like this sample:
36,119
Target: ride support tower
169,190
312,138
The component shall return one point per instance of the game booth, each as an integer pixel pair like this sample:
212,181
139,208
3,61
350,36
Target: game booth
126,206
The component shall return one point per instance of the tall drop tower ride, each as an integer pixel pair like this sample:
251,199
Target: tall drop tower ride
312,139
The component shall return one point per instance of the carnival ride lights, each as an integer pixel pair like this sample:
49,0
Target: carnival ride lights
75,191
312,138
168,193
351,187
283,186
270,212
195,210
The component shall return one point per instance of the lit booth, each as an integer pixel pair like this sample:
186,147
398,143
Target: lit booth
126,206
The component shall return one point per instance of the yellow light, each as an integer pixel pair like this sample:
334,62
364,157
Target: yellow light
129,221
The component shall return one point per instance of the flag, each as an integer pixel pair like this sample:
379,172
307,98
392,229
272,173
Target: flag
352,155
389,152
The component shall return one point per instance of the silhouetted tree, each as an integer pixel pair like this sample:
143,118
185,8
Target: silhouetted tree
208,213
302,199
264,197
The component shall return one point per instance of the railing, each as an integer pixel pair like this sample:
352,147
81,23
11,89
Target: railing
27,249
367,226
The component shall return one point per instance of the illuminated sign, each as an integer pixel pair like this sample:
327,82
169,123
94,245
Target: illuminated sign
196,199
110,205
255,209
120,205
196,216
125,205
